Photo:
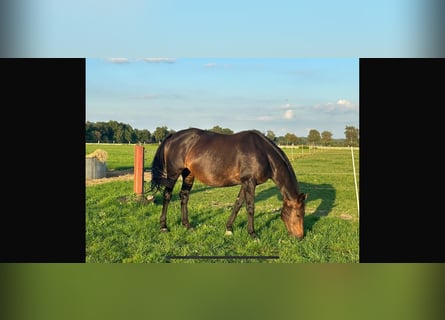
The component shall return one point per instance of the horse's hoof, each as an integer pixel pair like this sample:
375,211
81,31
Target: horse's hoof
164,230
190,229
254,236
228,233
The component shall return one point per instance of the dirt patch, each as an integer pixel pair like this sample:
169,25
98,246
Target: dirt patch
116,175
345,216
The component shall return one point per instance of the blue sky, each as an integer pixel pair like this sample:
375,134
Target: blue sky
285,95
228,63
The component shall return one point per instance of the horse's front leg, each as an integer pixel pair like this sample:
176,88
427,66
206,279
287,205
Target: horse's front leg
236,207
166,200
249,193
184,194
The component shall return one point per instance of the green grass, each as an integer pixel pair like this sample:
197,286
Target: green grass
119,229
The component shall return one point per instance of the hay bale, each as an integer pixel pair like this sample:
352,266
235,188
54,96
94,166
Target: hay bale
99,154
96,164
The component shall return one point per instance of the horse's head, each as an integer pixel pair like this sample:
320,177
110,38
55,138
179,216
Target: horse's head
293,215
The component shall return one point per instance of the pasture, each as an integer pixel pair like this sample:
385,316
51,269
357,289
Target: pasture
120,230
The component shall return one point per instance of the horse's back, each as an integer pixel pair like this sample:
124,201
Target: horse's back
229,147
222,159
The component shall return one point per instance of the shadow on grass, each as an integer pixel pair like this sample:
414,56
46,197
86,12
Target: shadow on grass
325,192
118,172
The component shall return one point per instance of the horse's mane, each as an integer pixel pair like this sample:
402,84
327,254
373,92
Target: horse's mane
279,151
282,156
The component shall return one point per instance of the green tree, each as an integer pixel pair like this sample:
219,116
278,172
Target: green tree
314,137
271,135
114,134
143,136
97,135
92,132
352,136
326,138
218,129
123,133
290,139
160,133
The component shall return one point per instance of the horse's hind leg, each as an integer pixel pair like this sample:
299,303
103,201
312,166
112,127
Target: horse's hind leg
184,194
236,207
249,193
165,202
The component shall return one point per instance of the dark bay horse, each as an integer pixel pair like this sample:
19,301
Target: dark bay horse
247,158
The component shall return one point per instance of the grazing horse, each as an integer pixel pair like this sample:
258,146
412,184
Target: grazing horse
246,158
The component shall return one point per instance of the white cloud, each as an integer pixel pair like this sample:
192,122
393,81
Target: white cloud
341,105
118,60
288,114
346,105
159,60
286,106
328,107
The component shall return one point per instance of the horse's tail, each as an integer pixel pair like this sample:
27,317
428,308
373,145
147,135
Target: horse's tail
159,168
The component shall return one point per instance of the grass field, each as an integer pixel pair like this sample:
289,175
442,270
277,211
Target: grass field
119,229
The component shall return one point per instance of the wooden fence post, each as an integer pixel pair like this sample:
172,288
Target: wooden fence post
138,185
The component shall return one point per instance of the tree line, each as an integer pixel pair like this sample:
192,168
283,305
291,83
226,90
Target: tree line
117,132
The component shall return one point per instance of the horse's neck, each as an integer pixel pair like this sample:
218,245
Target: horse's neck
286,183
283,174
288,191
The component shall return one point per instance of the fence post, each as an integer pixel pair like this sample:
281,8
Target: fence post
355,182
138,185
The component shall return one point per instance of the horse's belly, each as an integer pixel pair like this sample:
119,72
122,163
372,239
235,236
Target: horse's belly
216,178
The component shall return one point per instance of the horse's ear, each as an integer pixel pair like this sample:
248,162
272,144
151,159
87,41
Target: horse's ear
303,196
